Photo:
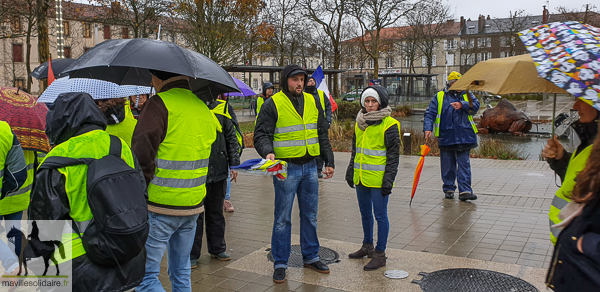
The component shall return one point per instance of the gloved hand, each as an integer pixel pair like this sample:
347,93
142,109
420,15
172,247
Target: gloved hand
386,191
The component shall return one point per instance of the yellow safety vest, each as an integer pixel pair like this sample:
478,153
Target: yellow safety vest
562,198
124,129
295,134
6,143
371,153
93,144
19,200
182,158
438,117
259,102
221,109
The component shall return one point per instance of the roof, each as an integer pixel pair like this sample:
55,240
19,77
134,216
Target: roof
400,32
268,69
500,25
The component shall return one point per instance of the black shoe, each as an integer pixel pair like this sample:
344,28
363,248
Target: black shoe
320,174
449,195
467,196
279,275
318,266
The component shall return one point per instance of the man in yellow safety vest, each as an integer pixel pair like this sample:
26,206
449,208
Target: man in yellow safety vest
291,127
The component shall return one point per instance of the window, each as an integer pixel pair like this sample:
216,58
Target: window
106,32
17,52
406,62
450,59
433,61
389,62
16,24
423,61
20,83
467,59
87,30
371,64
125,32
255,83
67,51
467,43
484,42
273,62
484,56
85,49
349,66
311,64
66,28
450,44
361,65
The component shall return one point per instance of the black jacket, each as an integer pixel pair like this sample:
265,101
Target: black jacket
315,92
267,118
224,151
587,133
571,270
71,115
392,145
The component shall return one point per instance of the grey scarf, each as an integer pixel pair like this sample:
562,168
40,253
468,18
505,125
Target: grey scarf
363,116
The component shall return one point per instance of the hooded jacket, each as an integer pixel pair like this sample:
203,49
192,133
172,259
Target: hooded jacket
225,150
266,86
315,92
74,114
267,118
455,128
392,145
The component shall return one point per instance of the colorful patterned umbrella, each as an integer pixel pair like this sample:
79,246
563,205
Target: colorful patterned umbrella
424,151
568,54
26,117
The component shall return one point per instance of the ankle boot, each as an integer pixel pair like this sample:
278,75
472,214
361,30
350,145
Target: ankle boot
377,261
367,249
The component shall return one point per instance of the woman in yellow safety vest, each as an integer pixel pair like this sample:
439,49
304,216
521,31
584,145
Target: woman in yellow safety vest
373,168
567,165
120,119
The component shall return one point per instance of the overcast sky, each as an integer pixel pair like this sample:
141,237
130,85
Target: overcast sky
501,8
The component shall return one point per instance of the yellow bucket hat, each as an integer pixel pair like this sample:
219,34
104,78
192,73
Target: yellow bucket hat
454,75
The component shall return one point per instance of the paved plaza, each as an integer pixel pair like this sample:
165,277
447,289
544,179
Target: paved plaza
505,230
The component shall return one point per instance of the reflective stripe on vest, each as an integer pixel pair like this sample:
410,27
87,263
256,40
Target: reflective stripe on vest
182,158
294,134
438,117
371,154
6,143
19,200
561,199
93,144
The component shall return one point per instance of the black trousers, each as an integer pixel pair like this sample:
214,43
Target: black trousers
215,221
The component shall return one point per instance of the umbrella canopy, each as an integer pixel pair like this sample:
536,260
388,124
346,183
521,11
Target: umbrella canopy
58,66
568,54
245,89
128,61
26,118
424,151
98,89
505,76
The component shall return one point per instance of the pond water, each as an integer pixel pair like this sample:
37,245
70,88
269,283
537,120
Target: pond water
531,146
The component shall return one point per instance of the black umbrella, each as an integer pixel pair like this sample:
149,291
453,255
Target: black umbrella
58,66
128,61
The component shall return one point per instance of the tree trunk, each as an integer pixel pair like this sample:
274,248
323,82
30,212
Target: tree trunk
43,42
28,55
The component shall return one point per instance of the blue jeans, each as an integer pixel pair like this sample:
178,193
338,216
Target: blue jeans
228,191
175,233
15,221
370,200
456,165
301,180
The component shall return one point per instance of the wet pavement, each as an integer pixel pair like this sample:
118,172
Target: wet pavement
505,230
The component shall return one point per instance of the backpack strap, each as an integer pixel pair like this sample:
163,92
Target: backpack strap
115,146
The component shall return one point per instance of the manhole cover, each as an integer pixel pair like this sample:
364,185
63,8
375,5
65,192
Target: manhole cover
396,274
472,280
326,255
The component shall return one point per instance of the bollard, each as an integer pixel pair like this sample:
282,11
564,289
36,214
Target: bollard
407,143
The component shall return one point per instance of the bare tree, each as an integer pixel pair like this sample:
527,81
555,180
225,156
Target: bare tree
589,14
282,14
141,17
373,16
510,27
42,7
428,23
332,16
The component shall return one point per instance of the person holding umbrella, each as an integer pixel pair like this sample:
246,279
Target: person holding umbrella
173,144
566,164
450,117
292,128
372,170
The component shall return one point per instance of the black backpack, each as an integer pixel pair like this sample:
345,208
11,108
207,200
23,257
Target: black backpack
117,197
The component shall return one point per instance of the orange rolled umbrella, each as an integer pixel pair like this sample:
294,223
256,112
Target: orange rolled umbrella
424,151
